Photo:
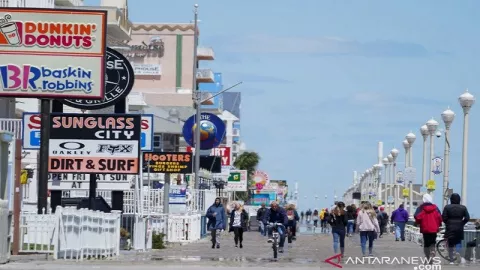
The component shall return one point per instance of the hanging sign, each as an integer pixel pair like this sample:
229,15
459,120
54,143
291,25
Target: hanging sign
406,192
259,180
399,177
437,164
431,185
119,78
212,131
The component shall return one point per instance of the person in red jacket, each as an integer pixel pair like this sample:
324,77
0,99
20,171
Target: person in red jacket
429,218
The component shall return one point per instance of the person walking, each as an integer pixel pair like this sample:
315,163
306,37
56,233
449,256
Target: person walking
350,214
315,217
238,223
399,218
276,214
216,221
384,222
308,215
367,225
302,215
293,218
455,216
339,221
429,218
260,214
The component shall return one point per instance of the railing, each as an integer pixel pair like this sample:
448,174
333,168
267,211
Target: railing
27,3
184,228
86,233
205,53
36,232
69,3
12,125
205,75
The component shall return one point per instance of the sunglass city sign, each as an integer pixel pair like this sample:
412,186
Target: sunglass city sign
52,53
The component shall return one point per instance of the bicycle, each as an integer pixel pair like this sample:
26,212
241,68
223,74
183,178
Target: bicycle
442,246
275,237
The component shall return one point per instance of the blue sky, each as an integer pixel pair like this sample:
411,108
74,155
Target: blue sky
324,81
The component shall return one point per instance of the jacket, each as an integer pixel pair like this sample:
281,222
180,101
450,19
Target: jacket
350,213
455,216
278,216
261,212
322,214
293,222
367,223
338,223
399,215
243,220
217,221
428,217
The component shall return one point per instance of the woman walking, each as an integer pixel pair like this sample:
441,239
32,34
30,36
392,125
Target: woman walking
293,218
367,224
238,223
338,220
351,220
315,218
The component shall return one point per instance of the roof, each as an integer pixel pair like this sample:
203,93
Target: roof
162,125
183,111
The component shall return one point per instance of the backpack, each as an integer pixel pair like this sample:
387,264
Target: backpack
291,215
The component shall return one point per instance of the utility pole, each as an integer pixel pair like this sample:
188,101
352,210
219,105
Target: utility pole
197,99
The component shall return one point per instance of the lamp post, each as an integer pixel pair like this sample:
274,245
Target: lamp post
424,132
410,139
394,152
432,128
466,100
385,180
447,116
390,182
406,146
378,168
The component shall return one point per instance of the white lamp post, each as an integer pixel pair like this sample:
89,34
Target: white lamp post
385,180
410,139
394,152
466,100
424,132
406,146
390,177
378,169
432,128
447,116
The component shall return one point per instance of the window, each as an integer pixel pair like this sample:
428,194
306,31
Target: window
157,142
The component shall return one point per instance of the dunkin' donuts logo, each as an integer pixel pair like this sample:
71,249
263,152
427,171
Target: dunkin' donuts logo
46,34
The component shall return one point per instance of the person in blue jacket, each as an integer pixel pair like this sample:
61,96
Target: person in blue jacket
217,221
276,214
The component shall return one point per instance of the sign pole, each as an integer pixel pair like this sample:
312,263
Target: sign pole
197,98
92,191
42,192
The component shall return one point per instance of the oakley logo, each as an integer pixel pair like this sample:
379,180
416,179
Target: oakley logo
113,149
72,145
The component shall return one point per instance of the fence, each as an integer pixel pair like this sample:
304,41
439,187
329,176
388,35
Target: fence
86,233
5,221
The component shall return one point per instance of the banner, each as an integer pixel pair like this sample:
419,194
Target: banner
177,199
237,181
259,181
167,162
212,131
97,143
222,151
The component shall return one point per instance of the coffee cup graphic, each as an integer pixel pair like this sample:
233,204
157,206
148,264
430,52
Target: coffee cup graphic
9,30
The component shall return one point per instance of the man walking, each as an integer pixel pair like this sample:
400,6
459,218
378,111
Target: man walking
400,218
384,221
216,221
260,214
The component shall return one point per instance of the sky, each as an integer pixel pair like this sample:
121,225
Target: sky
325,81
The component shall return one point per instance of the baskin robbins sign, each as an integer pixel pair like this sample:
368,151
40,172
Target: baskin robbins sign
52,53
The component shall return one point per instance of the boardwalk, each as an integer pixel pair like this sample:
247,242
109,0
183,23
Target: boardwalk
309,251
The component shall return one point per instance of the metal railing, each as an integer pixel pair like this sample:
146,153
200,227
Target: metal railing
12,125
205,74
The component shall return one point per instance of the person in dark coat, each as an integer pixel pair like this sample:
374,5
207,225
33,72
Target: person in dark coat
276,214
350,214
455,216
339,221
217,221
238,223
260,213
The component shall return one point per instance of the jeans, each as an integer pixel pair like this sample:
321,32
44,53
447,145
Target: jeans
364,236
262,228
216,236
400,230
454,247
338,240
350,226
281,233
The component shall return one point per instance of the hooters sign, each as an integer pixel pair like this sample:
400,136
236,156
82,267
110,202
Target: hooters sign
223,152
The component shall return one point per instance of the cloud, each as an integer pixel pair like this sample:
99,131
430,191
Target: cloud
321,46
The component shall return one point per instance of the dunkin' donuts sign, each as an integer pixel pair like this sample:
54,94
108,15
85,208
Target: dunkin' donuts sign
52,53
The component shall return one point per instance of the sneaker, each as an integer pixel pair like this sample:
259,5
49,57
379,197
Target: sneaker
236,246
270,240
280,249
213,245
241,246
218,245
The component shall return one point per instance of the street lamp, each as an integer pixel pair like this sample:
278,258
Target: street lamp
378,169
466,100
387,174
424,132
406,146
390,177
410,139
394,152
432,128
447,116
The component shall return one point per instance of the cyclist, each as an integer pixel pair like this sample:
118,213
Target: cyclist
429,218
455,216
276,214
293,218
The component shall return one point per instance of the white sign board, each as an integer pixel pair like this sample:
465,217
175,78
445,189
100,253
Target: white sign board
31,132
238,185
409,175
58,53
64,181
147,69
